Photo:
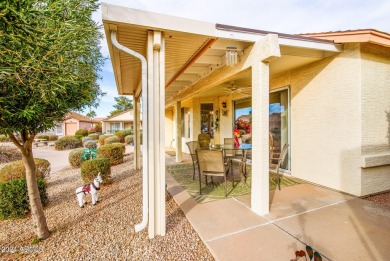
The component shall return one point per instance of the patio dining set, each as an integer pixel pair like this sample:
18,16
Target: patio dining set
216,160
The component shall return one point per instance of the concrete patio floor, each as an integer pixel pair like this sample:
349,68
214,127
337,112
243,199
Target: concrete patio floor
338,226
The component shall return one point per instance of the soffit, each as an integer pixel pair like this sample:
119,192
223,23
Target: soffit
192,54
291,58
179,48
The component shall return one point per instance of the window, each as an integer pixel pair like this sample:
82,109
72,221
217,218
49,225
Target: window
207,119
58,129
114,127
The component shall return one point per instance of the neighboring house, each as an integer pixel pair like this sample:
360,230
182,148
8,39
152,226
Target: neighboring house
121,121
329,94
73,121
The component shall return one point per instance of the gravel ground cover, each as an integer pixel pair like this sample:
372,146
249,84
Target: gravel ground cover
104,231
382,198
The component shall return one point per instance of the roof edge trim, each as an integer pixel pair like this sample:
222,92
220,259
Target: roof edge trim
263,32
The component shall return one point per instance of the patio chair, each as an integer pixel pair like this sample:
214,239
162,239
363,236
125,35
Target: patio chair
279,163
212,163
271,147
204,140
192,147
233,155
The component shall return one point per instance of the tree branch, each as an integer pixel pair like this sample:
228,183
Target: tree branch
14,140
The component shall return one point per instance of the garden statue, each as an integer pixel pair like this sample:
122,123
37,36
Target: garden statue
92,189
89,154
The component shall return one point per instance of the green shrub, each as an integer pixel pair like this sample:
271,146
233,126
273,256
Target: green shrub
129,139
45,137
114,152
90,144
8,154
122,134
74,157
91,168
121,145
78,136
98,127
68,142
53,137
4,138
82,132
102,138
94,136
110,140
85,139
14,202
16,170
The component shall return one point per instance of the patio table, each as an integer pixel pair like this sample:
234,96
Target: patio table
40,141
244,147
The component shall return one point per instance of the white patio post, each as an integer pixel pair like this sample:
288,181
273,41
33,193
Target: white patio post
156,118
103,127
137,143
178,132
264,51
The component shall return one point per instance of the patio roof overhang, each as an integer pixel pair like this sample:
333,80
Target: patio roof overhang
186,58
194,50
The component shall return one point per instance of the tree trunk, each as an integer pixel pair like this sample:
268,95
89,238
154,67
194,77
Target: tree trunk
37,213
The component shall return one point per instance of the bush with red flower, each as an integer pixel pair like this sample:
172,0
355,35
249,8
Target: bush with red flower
243,126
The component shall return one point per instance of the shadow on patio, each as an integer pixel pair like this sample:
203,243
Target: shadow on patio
300,215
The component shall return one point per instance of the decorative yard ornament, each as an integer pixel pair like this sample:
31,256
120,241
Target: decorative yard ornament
299,255
89,154
92,189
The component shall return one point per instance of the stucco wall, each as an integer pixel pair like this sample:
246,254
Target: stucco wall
169,134
85,125
375,124
325,120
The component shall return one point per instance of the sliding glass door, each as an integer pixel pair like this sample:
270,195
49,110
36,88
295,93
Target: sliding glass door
279,121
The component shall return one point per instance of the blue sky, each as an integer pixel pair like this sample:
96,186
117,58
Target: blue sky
285,16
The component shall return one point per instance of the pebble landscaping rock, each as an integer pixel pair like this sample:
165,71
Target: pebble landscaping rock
104,231
382,198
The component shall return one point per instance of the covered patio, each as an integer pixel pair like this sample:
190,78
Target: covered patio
186,63
179,69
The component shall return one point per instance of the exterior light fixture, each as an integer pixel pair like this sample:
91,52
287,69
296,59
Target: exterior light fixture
231,55
224,109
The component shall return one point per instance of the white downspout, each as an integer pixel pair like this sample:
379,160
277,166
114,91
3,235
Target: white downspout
142,225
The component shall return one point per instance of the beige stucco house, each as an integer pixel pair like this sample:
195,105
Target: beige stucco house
73,121
121,121
327,95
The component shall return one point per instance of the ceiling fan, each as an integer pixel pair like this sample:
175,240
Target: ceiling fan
233,88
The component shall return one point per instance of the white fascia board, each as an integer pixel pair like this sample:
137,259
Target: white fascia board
150,20
251,37
238,36
330,47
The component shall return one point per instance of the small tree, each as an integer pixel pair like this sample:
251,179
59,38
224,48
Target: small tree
49,65
122,104
98,127
91,114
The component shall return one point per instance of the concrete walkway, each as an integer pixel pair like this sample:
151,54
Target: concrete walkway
338,226
58,159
